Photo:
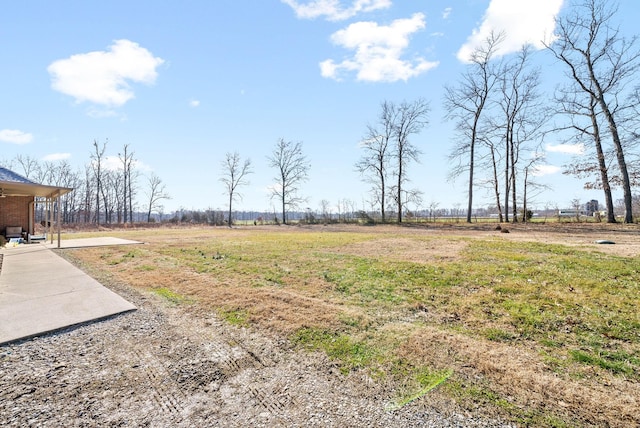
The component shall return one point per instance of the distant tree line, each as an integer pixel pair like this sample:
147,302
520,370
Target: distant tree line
104,192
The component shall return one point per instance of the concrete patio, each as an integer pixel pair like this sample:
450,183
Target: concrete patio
41,292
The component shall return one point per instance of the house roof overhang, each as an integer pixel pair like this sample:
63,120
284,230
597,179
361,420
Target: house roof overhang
13,188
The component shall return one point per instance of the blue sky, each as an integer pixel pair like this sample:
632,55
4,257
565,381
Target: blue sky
184,82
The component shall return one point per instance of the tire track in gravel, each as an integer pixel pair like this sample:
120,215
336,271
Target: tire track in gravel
166,394
274,400
180,366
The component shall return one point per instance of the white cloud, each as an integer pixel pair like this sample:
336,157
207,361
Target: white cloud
99,113
53,157
542,170
15,136
378,51
113,163
333,9
103,77
446,13
194,103
522,21
570,149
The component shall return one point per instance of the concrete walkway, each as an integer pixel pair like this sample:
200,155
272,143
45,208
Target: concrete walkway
42,292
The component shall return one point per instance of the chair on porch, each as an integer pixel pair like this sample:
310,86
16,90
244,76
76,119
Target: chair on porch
14,232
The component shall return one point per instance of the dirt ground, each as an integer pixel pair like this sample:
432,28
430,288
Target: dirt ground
165,365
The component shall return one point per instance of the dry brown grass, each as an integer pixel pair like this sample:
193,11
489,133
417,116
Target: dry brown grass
282,290
518,372
417,251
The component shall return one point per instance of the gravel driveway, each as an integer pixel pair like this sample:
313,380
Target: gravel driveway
174,366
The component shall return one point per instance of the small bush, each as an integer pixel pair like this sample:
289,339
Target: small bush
365,218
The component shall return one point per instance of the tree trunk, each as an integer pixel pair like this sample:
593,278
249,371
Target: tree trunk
471,165
496,184
604,176
622,164
613,128
514,198
507,181
524,196
284,209
383,195
399,194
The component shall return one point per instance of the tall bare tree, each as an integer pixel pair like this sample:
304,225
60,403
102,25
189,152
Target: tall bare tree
522,120
88,193
128,160
374,163
602,63
234,175
465,104
156,193
582,112
292,170
409,119
97,157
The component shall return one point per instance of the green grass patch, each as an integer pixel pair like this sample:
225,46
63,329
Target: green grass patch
169,295
237,317
481,395
350,353
428,380
615,362
499,335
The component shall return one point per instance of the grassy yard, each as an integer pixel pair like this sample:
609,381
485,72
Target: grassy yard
535,326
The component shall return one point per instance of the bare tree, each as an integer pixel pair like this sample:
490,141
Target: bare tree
374,162
584,122
88,193
495,158
156,193
528,185
234,174
325,210
410,118
292,170
465,104
7,163
30,166
522,120
433,206
602,63
127,159
97,156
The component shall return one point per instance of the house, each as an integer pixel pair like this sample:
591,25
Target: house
18,197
